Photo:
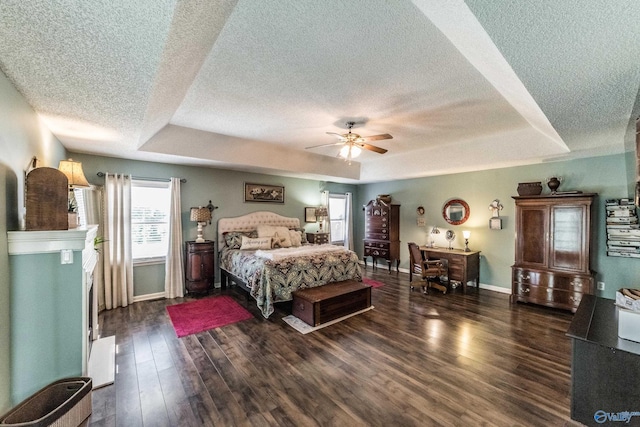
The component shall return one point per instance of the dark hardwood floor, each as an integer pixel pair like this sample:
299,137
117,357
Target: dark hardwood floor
428,360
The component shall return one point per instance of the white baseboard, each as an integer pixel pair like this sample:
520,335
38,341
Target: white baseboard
495,288
482,285
147,297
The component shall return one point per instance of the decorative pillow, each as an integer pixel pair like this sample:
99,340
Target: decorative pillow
266,230
252,244
303,235
296,238
283,234
233,239
277,241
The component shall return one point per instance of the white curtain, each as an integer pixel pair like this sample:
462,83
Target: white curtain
174,269
348,221
324,201
117,258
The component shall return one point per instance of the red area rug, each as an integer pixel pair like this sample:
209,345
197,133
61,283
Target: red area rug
207,313
371,282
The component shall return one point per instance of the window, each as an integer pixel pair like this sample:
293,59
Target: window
337,218
150,204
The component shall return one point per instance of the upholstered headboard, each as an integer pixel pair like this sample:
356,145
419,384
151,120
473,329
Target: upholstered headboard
251,221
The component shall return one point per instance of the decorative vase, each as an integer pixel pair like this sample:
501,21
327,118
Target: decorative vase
73,220
554,183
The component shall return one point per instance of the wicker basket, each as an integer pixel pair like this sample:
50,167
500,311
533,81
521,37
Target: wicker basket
529,188
64,403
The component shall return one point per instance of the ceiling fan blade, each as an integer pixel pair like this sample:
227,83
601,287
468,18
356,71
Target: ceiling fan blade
325,145
371,148
376,137
337,135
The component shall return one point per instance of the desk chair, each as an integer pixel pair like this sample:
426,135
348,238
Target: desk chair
429,270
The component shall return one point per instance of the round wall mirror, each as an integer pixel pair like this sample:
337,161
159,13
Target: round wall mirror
455,211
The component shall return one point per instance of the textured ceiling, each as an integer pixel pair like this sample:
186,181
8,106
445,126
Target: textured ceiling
247,85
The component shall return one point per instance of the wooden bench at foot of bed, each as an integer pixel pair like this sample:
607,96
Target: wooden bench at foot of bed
328,302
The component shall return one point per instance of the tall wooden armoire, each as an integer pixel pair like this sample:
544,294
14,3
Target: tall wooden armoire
552,255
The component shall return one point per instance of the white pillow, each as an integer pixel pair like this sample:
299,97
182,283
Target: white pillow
252,244
266,230
296,238
285,238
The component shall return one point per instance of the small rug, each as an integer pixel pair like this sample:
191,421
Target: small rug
305,328
207,313
371,282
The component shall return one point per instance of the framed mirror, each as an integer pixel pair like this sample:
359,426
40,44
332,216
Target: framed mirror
455,211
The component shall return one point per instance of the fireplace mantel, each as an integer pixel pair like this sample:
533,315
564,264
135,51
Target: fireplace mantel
51,279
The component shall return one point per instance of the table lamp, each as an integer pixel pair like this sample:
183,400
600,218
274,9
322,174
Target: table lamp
321,214
466,234
201,216
75,177
434,230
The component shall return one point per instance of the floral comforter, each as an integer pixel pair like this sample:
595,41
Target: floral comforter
273,280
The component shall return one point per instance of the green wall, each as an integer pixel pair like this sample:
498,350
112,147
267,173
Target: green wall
225,189
608,176
22,136
49,340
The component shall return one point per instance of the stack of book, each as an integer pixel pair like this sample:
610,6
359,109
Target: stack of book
623,231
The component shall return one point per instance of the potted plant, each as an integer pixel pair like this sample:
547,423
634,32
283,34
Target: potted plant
72,208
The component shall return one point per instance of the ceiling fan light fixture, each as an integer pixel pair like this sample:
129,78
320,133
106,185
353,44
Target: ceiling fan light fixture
350,151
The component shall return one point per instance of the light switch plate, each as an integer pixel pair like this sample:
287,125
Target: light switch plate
66,256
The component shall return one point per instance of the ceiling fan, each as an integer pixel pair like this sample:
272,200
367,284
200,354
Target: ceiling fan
353,143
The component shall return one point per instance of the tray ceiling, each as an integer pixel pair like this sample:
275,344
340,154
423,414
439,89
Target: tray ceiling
247,85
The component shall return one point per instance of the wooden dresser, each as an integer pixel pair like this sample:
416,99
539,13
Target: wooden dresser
382,232
552,257
199,265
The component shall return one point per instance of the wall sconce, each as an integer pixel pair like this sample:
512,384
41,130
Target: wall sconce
201,216
466,234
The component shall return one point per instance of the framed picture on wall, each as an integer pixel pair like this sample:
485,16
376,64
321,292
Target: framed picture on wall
310,215
263,193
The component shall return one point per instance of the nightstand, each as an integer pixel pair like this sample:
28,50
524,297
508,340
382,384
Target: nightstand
318,238
199,266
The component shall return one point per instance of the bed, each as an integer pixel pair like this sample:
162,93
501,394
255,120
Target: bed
270,275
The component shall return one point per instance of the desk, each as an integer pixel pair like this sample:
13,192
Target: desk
604,368
463,266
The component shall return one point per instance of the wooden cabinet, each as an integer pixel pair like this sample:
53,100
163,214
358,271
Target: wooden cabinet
382,232
199,266
552,258
318,238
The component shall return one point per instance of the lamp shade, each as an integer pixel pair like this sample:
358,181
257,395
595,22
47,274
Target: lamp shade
74,173
321,212
466,234
200,214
